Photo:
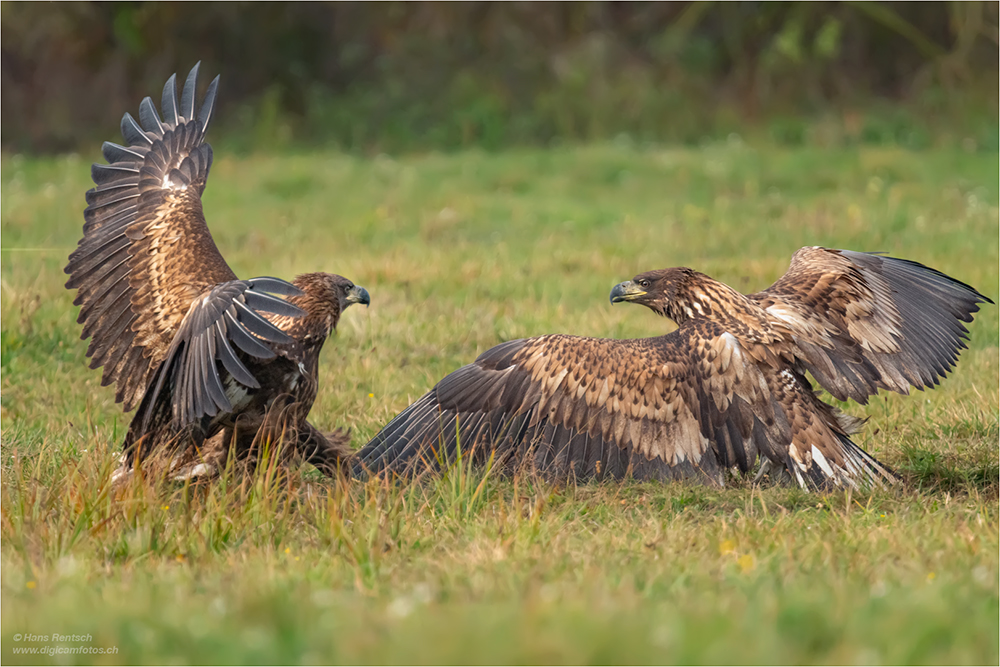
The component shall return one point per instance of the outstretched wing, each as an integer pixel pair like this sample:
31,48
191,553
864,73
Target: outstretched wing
146,252
683,405
862,322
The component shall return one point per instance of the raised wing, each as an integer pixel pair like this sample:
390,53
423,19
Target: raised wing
863,322
146,252
683,405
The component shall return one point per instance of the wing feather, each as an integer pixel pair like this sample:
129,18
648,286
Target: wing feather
116,175
230,361
820,452
112,303
132,133
149,119
862,322
168,102
244,340
687,405
128,154
214,383
590,406
105,286
208,105
257,325
188,96
194,379
146,242
116,348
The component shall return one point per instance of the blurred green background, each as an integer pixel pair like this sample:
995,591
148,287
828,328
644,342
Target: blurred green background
397,76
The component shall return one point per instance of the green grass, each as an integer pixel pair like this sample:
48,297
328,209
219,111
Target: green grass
461,252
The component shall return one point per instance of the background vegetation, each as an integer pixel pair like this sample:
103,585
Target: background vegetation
489,171
386,77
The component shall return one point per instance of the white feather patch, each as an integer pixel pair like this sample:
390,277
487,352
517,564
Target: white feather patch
823,463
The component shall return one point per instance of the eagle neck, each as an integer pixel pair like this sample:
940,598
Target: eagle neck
320,319
703,297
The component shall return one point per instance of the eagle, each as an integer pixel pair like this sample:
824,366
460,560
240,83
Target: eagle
201,353
729,385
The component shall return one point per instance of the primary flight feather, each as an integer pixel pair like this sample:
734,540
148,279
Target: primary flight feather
728,386
202,353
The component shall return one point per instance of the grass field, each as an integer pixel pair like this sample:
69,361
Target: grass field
461,252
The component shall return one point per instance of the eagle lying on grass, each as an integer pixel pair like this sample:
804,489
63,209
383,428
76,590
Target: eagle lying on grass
728,385
202,353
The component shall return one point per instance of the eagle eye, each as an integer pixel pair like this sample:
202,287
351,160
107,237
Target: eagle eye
644,283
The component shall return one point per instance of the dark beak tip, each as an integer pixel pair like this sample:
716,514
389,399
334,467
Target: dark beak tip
617,293
359,294
626,291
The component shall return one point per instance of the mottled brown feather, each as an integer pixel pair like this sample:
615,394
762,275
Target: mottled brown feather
146,253
287,382
727,385
862,322
665,401
194,347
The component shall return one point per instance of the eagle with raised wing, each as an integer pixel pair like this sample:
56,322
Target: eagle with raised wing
202,353
728,386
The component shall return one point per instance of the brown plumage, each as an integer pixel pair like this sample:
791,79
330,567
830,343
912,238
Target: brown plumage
728,385
200,351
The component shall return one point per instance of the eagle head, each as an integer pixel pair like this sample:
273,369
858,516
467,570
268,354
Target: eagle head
657,290
325,296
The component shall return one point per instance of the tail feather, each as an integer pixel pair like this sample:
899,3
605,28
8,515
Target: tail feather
856,469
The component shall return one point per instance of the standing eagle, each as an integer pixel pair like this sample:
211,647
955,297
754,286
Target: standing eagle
728,385
202,353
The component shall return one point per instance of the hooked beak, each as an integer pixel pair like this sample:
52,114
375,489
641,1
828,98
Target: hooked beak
626,291
358,294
